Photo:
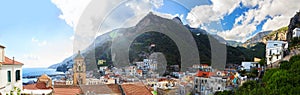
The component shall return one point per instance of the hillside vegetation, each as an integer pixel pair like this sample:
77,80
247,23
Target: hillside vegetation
284,80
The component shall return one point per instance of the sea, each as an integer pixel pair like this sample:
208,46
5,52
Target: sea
30,75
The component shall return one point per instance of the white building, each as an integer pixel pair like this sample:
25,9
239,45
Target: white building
248,65
210,85
275,51
131,70
296,32
10,73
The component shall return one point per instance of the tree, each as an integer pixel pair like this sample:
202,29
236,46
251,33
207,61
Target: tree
285,65
247,87
225,92
294,59
262,62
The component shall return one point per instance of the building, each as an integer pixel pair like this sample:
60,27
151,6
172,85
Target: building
296,32
248,65
43,86
205,83
131,70
11,74
79,70
102,70
185,88
275,51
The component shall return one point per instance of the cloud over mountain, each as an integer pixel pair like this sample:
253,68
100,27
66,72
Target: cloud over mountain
267,14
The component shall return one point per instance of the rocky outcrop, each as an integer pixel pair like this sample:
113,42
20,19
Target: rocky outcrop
294,23
279,34
257,38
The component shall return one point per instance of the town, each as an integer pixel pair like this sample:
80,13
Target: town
142,78
150,47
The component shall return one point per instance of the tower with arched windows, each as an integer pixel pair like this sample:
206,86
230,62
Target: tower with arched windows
79,70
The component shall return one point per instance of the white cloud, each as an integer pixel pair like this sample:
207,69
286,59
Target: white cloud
72,37
168,16
31,57
71,10
38,42
208,13
34,40
280,11
250,3
85,20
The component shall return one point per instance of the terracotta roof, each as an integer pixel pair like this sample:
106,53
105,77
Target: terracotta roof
9,61
135,89
139,71
39,85
44,77
67,91
101,89
204,74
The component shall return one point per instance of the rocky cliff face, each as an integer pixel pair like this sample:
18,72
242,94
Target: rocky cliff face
279,34
294,23
257,38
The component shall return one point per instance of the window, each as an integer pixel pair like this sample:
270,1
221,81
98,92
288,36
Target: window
79,68
275,44
18,75
277,57
8,76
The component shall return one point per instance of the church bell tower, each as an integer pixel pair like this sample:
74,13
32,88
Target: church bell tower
79,70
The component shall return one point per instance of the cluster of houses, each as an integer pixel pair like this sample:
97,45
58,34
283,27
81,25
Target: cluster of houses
139,78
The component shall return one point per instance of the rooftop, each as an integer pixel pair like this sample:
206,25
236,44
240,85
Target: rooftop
102,89
9,61
67,91
204,74
36,86
135,89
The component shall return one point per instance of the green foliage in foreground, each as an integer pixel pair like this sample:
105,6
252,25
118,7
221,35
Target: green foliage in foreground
279,81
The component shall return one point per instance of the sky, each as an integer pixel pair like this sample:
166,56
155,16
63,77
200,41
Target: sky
40,33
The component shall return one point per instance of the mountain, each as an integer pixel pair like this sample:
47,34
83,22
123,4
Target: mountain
256,38
233,43
139,49
279,34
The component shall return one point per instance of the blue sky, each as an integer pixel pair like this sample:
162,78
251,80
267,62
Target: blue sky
40,32
29,27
